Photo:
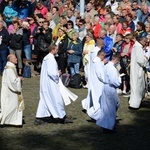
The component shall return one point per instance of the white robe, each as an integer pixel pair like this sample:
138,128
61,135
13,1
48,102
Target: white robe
137,75
51,102
11,85
86,102
109,100
66,94
96,88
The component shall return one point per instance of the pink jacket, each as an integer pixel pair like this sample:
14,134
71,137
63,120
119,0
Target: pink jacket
42,11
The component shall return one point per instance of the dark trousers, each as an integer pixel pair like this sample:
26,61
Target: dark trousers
3,60
62,64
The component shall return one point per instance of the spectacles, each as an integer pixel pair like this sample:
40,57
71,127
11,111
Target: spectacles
40,22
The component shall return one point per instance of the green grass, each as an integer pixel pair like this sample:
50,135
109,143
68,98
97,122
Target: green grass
132,130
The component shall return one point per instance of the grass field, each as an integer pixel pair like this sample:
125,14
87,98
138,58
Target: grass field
132,130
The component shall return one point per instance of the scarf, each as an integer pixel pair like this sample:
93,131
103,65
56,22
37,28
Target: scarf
61,37
74,42
91,42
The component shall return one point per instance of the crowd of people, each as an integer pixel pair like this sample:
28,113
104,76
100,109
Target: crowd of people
110,43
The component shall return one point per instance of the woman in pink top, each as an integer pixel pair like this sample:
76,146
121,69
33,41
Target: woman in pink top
41,9
116,21
32,26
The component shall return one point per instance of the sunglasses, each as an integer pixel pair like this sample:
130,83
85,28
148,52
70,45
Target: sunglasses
40,22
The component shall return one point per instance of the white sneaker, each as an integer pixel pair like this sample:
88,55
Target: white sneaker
85,86
127,95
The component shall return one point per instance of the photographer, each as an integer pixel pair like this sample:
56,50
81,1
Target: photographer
43,34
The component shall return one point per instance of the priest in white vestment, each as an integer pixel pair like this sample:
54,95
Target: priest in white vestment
51,103
109,100
137,74
11,113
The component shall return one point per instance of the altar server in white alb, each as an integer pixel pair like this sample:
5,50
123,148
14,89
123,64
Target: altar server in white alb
96,85
51,105
11,97
137,74
109,100
92,56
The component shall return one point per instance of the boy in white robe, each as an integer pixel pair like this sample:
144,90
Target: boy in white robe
109,100
11,113
96,85
51,106
93,55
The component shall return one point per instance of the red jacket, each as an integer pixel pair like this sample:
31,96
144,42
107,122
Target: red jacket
130,48
96,28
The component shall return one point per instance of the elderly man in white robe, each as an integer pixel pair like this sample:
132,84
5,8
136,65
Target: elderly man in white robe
11,97
109,101
51,106
137,74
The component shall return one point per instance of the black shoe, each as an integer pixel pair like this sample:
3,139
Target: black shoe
131,108
84,110
39,122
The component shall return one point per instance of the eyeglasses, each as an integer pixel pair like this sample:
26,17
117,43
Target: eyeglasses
40,22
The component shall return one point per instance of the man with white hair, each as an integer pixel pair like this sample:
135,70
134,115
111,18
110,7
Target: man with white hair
108,43
112,33
145,14
51,21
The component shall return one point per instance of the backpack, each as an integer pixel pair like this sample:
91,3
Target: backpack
75,81
27,71
65,78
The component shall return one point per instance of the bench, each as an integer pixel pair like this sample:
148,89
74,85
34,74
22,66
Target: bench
31,64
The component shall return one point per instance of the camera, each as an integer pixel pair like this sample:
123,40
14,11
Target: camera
41,29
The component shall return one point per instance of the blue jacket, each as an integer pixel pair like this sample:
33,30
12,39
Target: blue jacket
9,13
23,13
108,45
76,56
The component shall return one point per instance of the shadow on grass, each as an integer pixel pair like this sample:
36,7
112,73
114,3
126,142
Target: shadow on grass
135,136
